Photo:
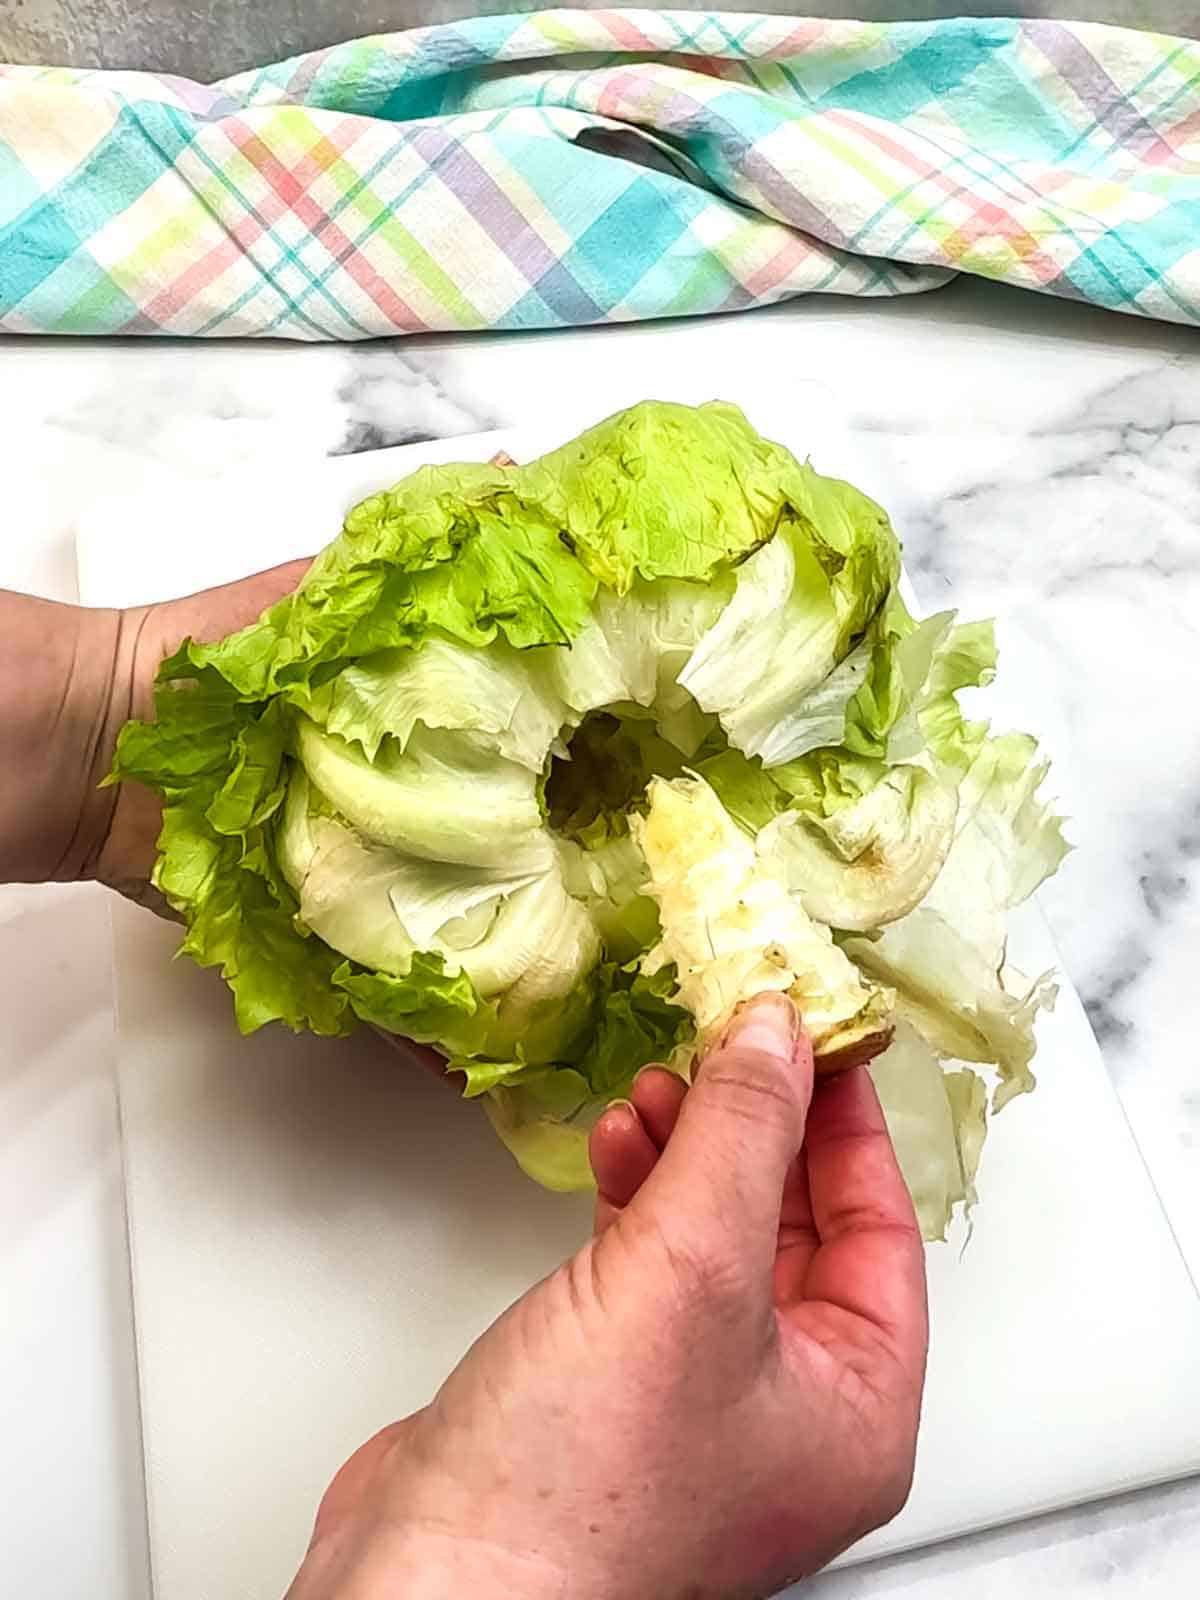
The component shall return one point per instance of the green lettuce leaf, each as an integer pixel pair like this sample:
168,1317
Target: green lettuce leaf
626,492
545,1116
426,1003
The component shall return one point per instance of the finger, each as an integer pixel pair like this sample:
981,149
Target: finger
207,616
719,1183
798,1240
658,1095
795,1208
622,1156
871,1260
423,1056
224,610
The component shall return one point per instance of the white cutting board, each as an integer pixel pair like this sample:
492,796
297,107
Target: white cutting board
318,1230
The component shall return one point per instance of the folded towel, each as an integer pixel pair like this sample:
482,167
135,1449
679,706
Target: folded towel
569,167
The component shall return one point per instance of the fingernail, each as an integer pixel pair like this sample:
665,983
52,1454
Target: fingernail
769,1022
621,1105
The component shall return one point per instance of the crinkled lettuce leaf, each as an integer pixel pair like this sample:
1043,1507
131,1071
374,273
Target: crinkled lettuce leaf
673,491
965,658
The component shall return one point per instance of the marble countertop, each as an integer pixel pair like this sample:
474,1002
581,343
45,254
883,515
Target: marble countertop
1051,461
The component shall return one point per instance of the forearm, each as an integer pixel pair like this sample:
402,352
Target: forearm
60,710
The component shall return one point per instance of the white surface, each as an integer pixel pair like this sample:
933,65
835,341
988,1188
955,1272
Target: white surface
363,1226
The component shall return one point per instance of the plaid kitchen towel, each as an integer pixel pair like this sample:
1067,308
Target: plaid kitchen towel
568,167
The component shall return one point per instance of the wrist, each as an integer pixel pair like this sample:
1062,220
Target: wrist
402,1518
423,1561
65,677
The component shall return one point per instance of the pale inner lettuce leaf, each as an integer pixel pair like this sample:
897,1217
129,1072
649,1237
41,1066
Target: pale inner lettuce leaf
443,798
937,1121
1007,841
773,642
868,862
380,907
798,605
652,632
731,930
611,881
820,717
548,1148
945,987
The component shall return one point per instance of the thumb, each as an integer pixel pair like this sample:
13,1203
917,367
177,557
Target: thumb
719,1182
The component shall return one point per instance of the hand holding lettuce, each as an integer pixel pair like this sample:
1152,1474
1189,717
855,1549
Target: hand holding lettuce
553,765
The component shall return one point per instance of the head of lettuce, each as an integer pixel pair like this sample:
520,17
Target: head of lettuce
552,765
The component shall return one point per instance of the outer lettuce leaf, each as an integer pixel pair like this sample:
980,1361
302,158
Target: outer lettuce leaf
427,1004
938,1122
223,773
667,491
544,1116
494,694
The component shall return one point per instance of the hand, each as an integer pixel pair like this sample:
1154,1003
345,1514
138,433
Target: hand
715,1396
69,679
127,848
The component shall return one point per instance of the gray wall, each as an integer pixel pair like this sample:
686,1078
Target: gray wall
207,41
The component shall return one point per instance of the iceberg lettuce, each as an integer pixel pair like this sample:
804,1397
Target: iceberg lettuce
552,765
